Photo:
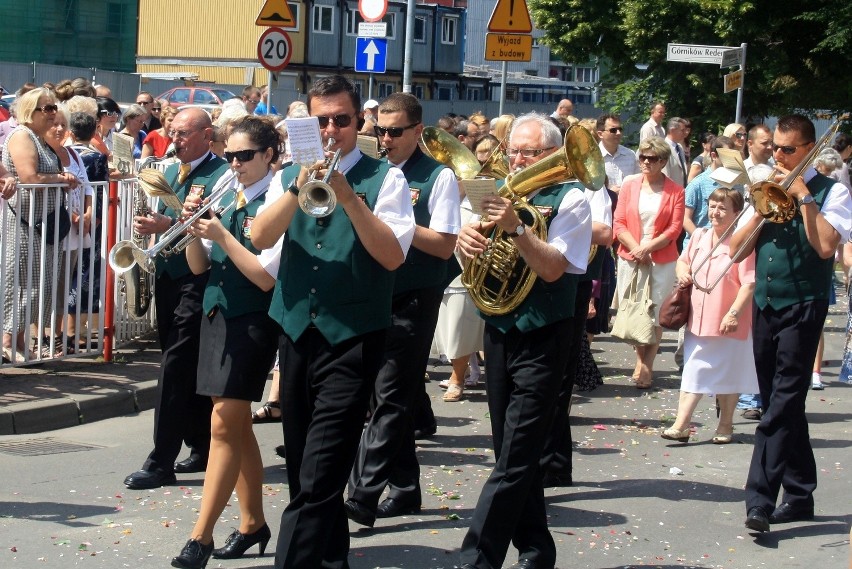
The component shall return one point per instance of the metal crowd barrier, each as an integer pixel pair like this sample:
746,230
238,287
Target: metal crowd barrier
31,270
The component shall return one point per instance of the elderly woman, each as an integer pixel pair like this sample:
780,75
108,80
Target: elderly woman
718,353
737,133
157,142
134,120
27,156
648,220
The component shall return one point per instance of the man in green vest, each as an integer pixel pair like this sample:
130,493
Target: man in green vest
386,455
526,354
333,302
794,272
180,415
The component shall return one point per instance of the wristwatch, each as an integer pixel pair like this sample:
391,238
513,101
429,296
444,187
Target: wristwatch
806,200
733,312
293,187
519,230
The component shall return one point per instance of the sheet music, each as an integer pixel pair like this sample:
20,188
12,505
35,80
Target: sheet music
305,140
477,189
121,158
733,170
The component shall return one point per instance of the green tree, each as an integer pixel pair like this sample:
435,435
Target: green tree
799,53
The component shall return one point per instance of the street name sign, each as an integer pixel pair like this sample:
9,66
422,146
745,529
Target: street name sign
695,53
732,57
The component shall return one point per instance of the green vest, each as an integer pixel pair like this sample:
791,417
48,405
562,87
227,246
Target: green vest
204,176
547,302
327,278
422,270
788,270
228,289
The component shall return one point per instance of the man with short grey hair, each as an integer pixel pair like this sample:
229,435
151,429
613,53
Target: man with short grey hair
676,166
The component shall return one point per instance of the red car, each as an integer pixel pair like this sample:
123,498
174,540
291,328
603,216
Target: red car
180,96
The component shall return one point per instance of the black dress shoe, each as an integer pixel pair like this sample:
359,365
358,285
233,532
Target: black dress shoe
526,564
194,463
786,513
194,555
757,519
148,479
359,513
425,432
281,451
237,543
393,507
556,480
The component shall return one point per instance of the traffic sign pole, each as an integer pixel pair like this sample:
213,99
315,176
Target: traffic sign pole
742,85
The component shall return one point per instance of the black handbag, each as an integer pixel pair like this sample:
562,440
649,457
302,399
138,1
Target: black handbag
56,221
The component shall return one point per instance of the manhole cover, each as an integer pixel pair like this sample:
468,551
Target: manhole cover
38,447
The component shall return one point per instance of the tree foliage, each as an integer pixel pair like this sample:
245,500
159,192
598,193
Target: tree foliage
799,54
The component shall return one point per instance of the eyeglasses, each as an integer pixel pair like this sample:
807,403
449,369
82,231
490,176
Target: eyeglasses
649,159
47,108
112,114
242,155
254,101
144,102
740,134
527,152
340,121
393,131
181,133
787,149
156,108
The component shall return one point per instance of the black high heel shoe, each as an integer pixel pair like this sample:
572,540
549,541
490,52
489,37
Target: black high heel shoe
194,555
237,543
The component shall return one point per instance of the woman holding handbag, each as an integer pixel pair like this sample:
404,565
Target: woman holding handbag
718,356
647,223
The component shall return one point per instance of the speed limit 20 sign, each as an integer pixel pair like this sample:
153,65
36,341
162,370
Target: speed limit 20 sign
274,49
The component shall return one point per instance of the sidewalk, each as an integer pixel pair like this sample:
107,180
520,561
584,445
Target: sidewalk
63,393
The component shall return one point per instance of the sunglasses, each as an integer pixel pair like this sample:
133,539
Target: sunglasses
242,155
787,149
649,159
614,130
156,108
740,134
47,108
255,101
114,115
393,131
340,121
527,152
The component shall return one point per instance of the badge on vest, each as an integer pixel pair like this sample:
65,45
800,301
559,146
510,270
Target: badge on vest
247,227
415,195
196,190
362,197
545,210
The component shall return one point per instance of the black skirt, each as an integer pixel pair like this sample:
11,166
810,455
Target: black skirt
236,355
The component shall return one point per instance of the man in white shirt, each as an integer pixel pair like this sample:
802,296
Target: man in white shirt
619,160
654,126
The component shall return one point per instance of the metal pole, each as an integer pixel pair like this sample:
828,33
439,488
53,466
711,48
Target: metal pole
503,86
109,285
370,87
409,46
742,86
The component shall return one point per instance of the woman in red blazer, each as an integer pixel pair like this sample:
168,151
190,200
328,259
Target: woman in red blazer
647,223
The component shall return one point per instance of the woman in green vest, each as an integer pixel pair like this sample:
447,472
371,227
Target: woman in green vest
238,341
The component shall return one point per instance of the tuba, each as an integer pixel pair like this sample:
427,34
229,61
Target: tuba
137,285
498,279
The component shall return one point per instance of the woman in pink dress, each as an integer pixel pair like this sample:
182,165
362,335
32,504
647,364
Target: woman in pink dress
718,356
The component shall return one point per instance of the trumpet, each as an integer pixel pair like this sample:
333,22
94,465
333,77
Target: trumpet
317,197
125,255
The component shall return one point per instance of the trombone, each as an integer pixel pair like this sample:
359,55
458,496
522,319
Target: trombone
772,201
126,254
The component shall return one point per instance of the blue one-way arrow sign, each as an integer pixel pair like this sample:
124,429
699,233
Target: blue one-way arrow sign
371,55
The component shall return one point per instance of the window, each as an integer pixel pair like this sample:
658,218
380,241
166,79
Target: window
471,94
449,26
531,72
419,29
323,20
511,93
204,98
294,9
585,74
354,18
385,89
179,96
359,88
444,94
417,91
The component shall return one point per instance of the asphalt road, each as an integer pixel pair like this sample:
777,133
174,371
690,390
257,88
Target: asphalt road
637,500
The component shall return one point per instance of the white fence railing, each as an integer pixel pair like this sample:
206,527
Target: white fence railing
53,293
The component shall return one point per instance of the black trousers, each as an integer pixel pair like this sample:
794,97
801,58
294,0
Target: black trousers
180,415
386,455
325,391
785,345
558,448
525,373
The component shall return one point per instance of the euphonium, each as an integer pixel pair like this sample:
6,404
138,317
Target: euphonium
499,280
137,285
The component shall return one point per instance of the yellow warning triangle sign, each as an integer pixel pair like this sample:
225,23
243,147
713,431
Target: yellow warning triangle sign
276,13
510,16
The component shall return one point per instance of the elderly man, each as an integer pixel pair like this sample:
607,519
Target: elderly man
654,125
180,415
564,109
676,168
794,272
526,354
333,300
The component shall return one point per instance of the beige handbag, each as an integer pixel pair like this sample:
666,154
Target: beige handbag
634,322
